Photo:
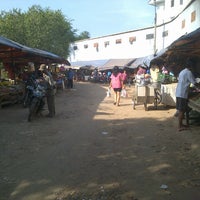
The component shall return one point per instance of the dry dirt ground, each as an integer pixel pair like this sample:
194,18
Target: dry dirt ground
93,150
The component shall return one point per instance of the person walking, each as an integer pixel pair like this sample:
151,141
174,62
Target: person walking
124,76
50,90
185,78
116,83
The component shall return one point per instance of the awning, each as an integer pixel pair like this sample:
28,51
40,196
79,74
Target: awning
158,59
175,56
94,63
76,67
13,53
188,45
64,67
115,62
144,61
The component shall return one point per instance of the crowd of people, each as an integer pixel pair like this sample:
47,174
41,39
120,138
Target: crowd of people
185,80
117,80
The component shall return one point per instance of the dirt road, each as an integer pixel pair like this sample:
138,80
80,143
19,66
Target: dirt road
93,150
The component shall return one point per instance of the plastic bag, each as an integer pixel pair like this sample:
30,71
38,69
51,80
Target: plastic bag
108,93
124,93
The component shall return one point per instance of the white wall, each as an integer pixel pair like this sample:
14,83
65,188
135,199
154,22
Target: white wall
142,46
166,13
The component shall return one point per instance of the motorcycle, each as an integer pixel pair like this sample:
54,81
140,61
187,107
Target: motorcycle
29,84
36,99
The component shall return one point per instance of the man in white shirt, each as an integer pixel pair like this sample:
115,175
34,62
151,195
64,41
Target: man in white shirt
184,80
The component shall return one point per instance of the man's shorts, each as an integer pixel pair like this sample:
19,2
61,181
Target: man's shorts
181,104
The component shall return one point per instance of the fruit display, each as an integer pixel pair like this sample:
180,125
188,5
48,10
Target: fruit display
194,101
9,93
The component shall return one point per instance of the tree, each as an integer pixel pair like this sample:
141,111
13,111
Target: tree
12,25
83,35
39,28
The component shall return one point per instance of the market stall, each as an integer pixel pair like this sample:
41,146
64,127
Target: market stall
14,59
174,58
11,89
144,94
10,93
168,92
193,104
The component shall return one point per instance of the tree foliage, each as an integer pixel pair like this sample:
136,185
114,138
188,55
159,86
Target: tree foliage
39,28
83,35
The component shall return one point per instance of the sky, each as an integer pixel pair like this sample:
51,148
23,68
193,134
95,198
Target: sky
98,17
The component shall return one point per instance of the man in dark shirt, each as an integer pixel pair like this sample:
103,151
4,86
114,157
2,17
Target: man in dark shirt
50,90
70,78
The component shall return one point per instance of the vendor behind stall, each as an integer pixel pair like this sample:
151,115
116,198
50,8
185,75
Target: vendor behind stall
140,75
154,71
141,70
185,79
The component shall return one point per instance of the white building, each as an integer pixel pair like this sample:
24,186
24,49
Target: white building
174,19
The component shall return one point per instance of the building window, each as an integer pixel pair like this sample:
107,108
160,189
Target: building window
96,45
165,33
193,16
172,3
183,24
118,41
149,36
75,48
132,39
106,43
85,46
181,2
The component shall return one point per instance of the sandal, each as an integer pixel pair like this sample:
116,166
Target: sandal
182,129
